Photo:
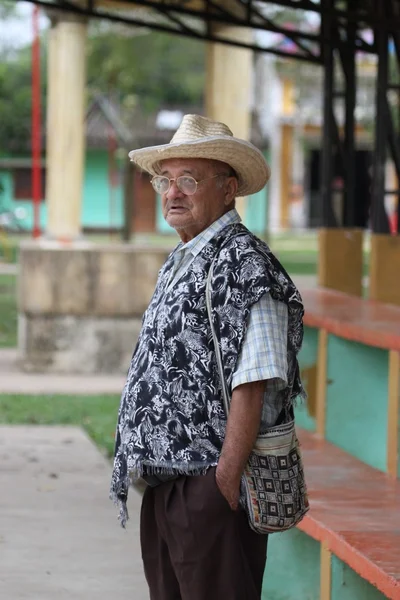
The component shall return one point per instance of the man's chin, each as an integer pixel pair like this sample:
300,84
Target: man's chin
178,223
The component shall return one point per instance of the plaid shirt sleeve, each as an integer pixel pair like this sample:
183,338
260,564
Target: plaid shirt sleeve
264,355
264,351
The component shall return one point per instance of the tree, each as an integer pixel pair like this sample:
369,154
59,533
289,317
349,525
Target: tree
139,67
7,9
153,67
15,88
15,101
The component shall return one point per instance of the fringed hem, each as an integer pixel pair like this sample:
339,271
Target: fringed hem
299,398
171,468
119,493
123,515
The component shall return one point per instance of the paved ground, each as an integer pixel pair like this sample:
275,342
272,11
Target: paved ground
8,269
13,381
59,537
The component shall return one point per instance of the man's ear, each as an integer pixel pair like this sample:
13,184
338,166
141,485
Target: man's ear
231,187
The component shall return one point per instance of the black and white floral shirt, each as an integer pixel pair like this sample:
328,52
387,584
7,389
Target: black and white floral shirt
171,417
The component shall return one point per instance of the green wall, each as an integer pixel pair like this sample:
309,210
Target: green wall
348,585
7,185
356,400
8,202
99,209
161,224
256,214
292,569
307,358
292,572
356,396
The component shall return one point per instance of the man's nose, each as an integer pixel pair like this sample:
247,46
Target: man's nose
174,191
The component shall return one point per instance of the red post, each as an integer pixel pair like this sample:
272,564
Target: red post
36,125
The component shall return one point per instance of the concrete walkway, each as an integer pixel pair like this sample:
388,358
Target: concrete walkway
8,268
14,381
59,536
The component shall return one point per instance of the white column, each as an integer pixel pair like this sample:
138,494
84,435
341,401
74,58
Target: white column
66,126
228,85
274,216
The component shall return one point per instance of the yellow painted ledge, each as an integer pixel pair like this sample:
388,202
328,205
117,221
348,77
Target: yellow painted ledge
384,268
340,264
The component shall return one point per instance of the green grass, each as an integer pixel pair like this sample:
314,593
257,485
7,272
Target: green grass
306,263
298,263
8,311
96,414
9,249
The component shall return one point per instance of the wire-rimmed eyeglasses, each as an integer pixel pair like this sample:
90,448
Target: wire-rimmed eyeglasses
185,183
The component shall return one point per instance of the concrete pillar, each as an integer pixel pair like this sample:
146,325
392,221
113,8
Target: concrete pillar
274,186
384,283
297,209
66,125
228,85
340,260
287,148
80,305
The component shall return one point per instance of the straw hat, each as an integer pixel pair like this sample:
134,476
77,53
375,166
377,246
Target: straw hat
199,137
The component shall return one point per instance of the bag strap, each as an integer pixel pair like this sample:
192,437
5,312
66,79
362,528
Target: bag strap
217,349
284,415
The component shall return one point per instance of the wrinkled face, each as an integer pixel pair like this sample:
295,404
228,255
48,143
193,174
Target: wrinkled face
190,215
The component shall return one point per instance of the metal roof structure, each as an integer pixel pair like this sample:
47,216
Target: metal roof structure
328,33
299,22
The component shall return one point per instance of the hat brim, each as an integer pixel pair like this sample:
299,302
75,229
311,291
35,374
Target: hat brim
247,161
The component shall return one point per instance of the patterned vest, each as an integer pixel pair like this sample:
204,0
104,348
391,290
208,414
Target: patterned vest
171,417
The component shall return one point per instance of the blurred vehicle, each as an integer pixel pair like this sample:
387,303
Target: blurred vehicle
11,221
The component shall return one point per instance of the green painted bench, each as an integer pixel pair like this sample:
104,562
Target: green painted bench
351,368
348,546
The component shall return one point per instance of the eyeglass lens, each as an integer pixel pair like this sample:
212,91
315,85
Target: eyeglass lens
185,183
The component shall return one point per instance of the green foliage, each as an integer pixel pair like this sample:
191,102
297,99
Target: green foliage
96,414
9,248
149,69
7,9
15,101
298,263
15,82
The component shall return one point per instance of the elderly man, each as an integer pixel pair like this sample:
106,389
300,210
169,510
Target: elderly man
172,429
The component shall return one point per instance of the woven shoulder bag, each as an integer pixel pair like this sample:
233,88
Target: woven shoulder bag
273,490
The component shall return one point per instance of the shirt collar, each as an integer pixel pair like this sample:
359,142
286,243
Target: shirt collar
196,245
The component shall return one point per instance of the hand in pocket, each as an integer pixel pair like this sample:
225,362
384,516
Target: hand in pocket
228,487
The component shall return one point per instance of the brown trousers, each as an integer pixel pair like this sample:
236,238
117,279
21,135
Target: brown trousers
194,547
